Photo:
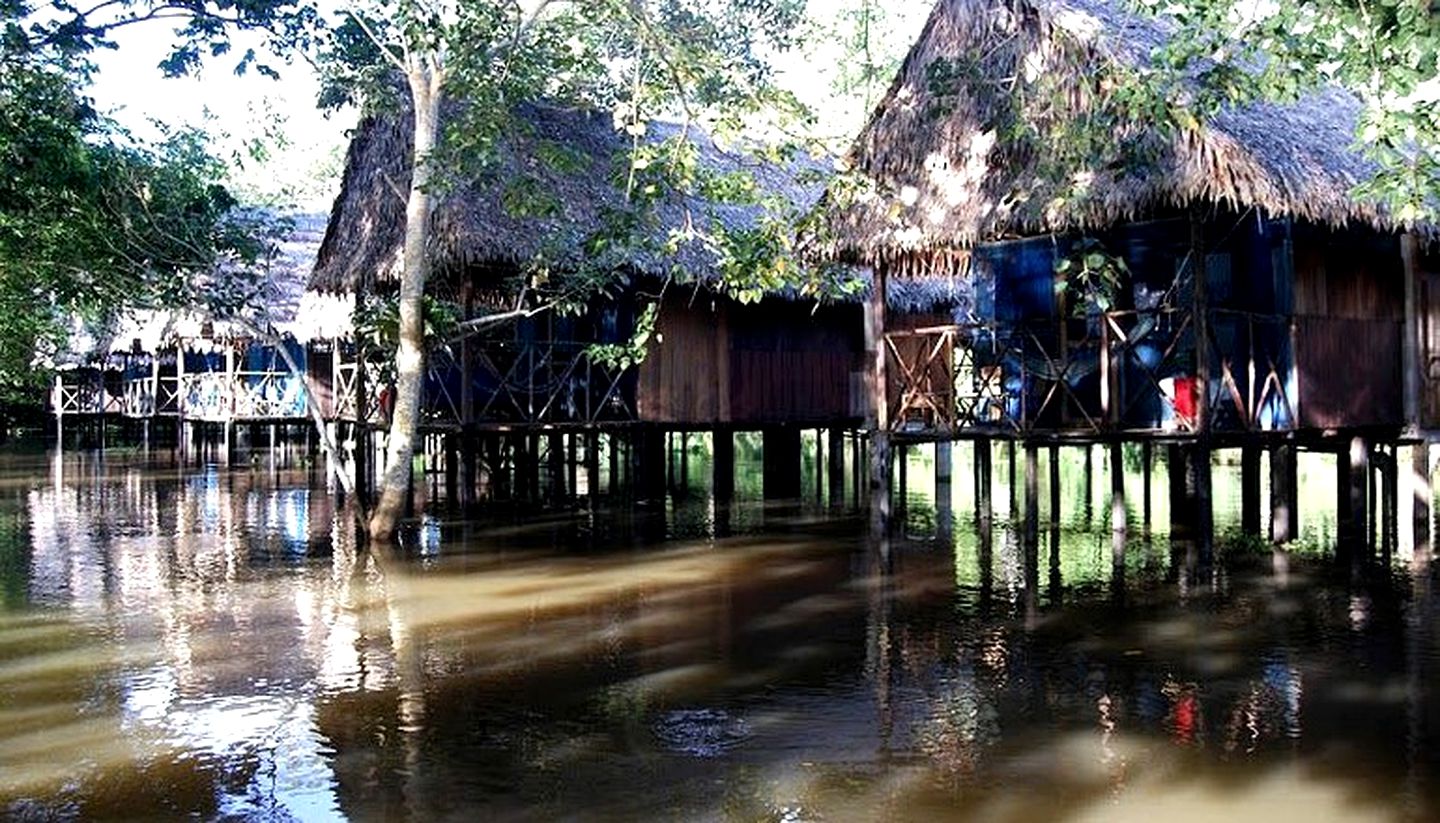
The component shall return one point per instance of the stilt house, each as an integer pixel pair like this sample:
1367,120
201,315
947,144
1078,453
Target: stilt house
711,363
185,366
1259,298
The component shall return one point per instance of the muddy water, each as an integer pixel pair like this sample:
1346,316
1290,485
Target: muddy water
205,642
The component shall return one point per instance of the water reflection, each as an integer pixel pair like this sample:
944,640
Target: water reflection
208,642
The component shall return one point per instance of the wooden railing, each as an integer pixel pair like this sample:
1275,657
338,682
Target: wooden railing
1123,370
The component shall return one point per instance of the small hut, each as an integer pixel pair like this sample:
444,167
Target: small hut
1211,285
187,366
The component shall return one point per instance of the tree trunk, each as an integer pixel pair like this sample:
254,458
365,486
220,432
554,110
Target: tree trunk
410,356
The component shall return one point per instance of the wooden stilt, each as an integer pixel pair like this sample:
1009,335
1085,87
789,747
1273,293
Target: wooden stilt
1390,479
836,468
1032,515
1422,493
782,463
555,457
592,463
1054,515
1119,526
1352,485
1284,495
878,409
1147,493
1202,510
984,506
724,464
1088,481
572,464
1250,490
1010,485
684,462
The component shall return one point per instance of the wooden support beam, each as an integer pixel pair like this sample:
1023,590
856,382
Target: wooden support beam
782,451
878,411
1284,495
1352,486
723,466
1054,460
1147,476
1390,509
1250,490
1198,488
1088,480
1410,361
555,457
1422,494
1119,525
1032,515
984,506
592,464
837,467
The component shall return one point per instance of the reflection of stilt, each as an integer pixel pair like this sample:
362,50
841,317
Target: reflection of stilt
877,646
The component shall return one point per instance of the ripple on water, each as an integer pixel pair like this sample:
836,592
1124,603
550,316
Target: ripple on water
701,732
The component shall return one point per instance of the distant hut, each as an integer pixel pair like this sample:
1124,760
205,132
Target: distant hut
184,365
714,364
1260,301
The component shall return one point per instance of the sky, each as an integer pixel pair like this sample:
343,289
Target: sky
304,169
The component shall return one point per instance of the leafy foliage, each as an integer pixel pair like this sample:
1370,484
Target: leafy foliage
1387,52
1092,274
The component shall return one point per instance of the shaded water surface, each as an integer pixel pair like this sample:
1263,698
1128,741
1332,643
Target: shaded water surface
205,642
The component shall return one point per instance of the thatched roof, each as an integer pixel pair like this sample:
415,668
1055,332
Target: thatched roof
281,304
942,176
479,225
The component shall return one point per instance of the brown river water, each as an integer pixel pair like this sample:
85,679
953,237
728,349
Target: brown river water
205,643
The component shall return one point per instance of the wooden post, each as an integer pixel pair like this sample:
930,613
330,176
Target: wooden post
837,467
592,463
983,473
1352,485
1199,489
1200,314
878,413
612,443
944,491
1032,515
452,469
1422,493
1411,346
944,461
1147,472
1054,513
1119,526
1284,494
649,464
1086,512
1390,513
1250,490
1010,486
572,464
1176,475
724,464
782,451
555,456
902,465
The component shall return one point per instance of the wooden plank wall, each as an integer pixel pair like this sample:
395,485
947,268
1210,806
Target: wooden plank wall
1349,308
715,361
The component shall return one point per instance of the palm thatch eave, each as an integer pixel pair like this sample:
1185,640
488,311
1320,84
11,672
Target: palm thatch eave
936,177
